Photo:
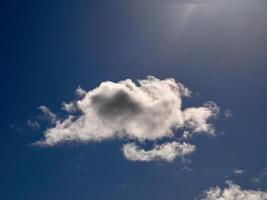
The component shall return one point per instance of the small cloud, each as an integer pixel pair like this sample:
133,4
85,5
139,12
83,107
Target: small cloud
15,128
256,180
80,92
47,114
166,151
261,176
186,135
228,114
69,107
238,171
188,169
233,192
33,125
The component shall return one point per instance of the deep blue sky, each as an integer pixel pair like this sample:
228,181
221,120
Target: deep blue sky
48,48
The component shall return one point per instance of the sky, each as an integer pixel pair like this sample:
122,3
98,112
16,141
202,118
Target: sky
133,99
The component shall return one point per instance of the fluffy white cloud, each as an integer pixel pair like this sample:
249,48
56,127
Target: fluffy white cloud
149,110
233,192
166,151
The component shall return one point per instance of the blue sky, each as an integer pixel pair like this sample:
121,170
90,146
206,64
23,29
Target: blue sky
217,49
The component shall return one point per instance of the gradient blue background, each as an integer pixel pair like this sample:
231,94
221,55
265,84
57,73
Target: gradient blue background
48,48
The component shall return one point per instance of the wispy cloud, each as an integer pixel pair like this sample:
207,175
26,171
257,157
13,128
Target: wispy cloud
261,176
228,114
34,125
47,114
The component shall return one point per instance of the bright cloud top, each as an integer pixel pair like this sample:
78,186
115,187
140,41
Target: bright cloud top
149,110
233,192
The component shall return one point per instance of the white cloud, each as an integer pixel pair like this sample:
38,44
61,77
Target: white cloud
48,114
80,92
69,107
147,111
166,151
238,171
233,192
196,118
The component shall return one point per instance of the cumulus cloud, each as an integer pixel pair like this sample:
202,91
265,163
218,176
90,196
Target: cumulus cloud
166,151
233,192
148,110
